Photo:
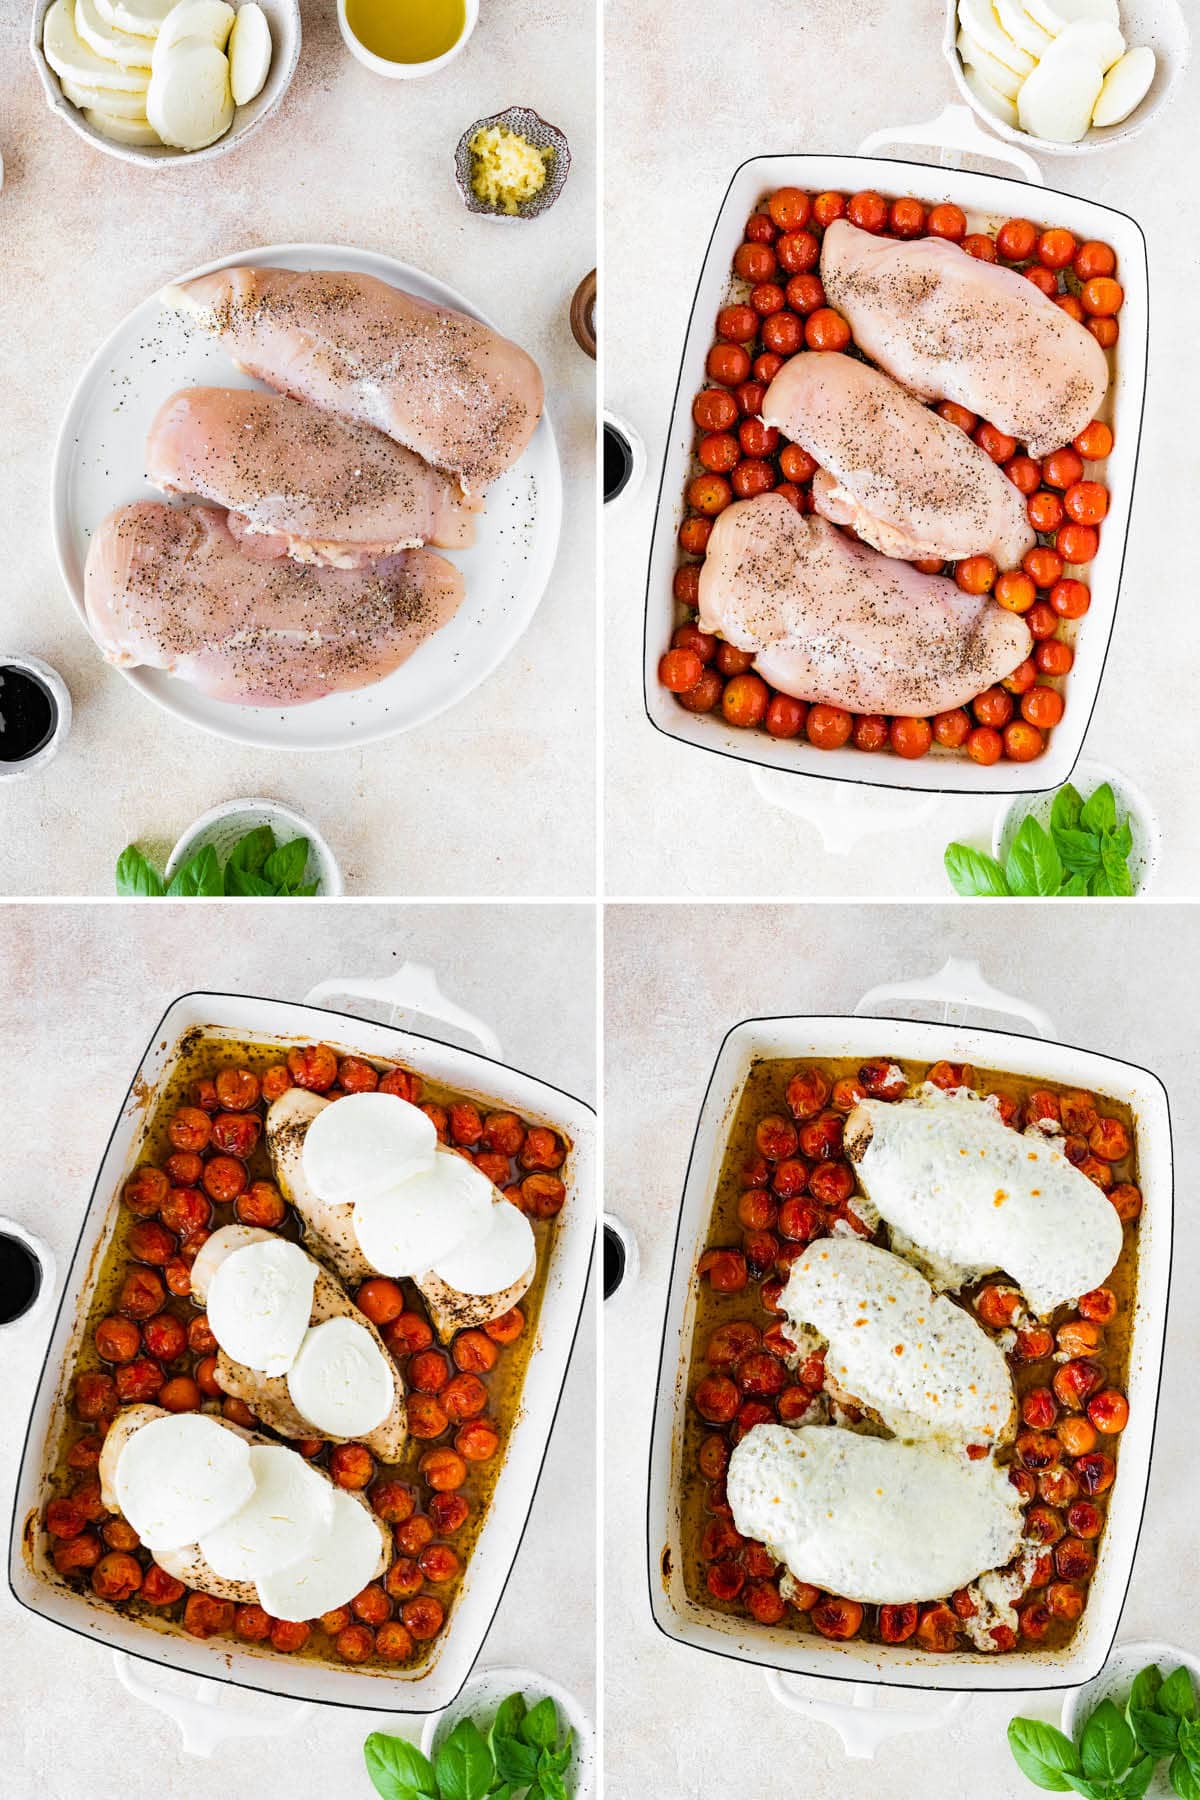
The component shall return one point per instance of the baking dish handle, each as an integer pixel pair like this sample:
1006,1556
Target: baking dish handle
414,990
209,1715
862,1724
959,986
955,129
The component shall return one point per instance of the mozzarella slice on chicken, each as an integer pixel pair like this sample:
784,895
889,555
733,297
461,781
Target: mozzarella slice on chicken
442,384
168,588
873,1519
831,620
904,478
921,1362
950,327
973,1196
301,483
328,1225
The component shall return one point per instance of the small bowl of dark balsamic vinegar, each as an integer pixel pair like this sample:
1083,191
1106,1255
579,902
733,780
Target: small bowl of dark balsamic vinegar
624,459
620,1255
26,1274
35,715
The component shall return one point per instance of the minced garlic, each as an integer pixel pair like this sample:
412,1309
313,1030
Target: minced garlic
506,169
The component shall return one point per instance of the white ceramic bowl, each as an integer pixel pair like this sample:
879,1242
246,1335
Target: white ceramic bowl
482,1694
33,665
1088,776
397,71
283,16
1159,23
225,824
1114,1682
45,1258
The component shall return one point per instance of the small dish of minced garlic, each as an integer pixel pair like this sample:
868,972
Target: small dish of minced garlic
512,165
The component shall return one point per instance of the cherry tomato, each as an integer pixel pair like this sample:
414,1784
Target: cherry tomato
760,229
1024,473
1086,502
1015,591
745,700
754,262
951,729
980,246
1077,544
798,252
1045,510
785,717
1055,248
1070,598
1095,441
1102,296
1016,240
906,218
805,293
789,208
709,494
1105,331
714,409
996,444
694,534
976,574
1042,278
1042,706
870,731
738,324
728,364
828,207
947,221
826,330
828,727
1093,258
1022,741
911,738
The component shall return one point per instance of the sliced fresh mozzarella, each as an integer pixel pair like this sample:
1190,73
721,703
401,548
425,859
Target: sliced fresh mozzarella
1056,101
1046,14
118,105
1070,10
189,103
259,1304
288,1515
1102,39
1025,32
180,1477
249,52
127,1421
920,1361
210,20
873,1519
980,24
997,74
120,129
364,1145
995,102
1125,86
349,1555
144,18
215,1249
410,1227
972,1195
341,1380
108,40
485,1263
73,60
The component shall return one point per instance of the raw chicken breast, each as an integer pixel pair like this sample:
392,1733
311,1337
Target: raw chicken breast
440,383
950,327
301,483
168,588
908,481
833,621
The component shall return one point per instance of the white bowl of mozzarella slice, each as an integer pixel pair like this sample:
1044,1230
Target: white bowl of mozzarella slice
156,81
1067,77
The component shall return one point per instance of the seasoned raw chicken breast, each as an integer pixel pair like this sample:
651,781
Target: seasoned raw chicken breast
950,327
442,384
167,587
300,482
831,620
904,478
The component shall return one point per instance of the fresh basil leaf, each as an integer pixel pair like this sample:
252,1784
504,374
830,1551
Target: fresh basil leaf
251,851
285,867
1147,1685
1135,1783
508,1718
1156,1732
1043,1754
1091,1790
245,884
1099,886
559,1760
515,1761
464,1766
1066,808
307,891
136,879
200,878
1116,868
1185,1778
1080,850
550,1781
1177,1694
397,1768
502,1792
1107,1746
973,872
1122,837
540,1725
1074,889
1034,865
1099,810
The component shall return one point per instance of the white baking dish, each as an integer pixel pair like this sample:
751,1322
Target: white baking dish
32,1577
899,1665
983,198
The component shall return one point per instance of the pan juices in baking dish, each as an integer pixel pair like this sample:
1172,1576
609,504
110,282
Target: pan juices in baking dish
206,1192
844,1381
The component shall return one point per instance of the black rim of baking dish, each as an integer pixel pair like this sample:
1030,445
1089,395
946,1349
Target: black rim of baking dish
861,1677
377,1697
865,780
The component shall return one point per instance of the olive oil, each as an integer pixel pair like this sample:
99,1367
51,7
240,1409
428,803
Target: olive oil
407,31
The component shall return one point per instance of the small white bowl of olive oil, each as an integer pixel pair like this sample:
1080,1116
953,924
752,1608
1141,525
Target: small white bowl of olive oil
404,39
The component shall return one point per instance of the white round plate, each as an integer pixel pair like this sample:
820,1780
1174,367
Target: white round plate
99,464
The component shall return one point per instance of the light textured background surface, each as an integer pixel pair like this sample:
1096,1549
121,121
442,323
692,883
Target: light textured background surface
693,1726
80,989
494,796
681,820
